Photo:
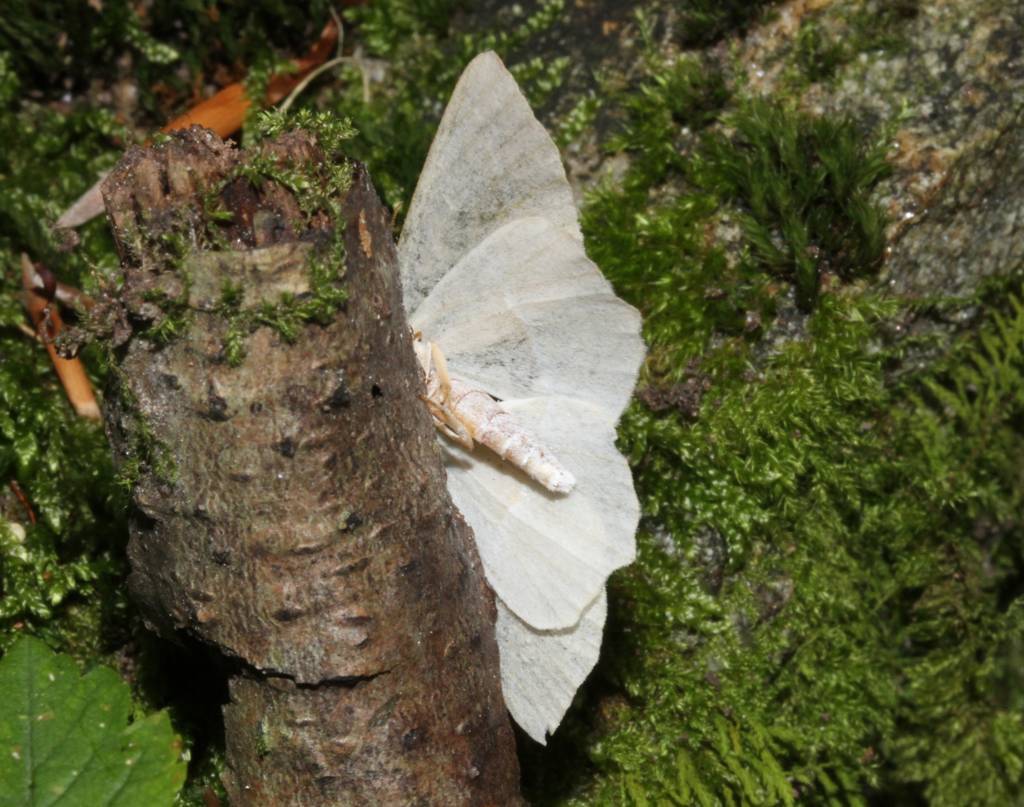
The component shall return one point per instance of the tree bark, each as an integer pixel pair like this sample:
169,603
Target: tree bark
292,511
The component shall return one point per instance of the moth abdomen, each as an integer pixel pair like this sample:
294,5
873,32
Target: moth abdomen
497,429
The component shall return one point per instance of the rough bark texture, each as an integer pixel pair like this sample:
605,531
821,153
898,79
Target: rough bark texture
292,511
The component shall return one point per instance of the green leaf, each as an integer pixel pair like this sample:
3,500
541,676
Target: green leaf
71,739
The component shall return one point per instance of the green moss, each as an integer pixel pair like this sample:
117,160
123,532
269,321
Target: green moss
579,118
144,453
32,32
35,581
317,188
675,100
757,651
703,22
256,82
174,320
289,314
804,184
828,582
264,742
963,735
168,50
881,25
204,779
62,579
748,505
687,286
818,54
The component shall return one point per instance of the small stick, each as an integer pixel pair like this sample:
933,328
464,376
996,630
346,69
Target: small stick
30,333
63,293
19,494
47,321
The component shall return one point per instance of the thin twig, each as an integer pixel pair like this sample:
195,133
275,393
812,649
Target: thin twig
31,334
340,48
281,85
312,75
19,494
68,295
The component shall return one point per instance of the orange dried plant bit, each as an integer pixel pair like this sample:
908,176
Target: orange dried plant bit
47,322
224,112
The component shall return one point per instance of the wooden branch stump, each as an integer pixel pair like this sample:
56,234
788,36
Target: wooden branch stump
292,510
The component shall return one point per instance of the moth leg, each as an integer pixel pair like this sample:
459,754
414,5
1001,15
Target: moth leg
448,423
460,434
436,411
441,368
456,428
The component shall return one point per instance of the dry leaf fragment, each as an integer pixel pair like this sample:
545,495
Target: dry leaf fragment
47,322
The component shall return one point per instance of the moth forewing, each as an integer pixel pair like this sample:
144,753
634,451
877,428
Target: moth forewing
548,555
567,656
491,162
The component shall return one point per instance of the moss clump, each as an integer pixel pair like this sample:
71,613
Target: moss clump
760,650
674,272
62,576
675,100
828,581
289,313
703,22
36,35
742,648
817,56
804,184
65,45
318,189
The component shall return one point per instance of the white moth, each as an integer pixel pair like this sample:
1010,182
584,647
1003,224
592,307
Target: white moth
539,360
